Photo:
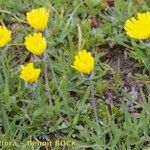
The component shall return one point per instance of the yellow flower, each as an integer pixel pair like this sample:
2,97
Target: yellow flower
29,73
84,62
138,28
38,18
35,43
5,36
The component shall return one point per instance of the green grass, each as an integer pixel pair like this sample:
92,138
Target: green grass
25,113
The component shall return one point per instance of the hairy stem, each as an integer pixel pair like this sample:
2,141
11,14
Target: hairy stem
93,100
46,74
56,83
3,61
47,83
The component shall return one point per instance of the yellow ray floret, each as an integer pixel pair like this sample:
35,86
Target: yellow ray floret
84,62
5,36
38,18
138,28
35,43
29,73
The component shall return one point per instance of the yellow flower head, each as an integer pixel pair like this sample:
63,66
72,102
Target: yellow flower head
29,73
38,18
84,62
35,43
5,36
138,28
